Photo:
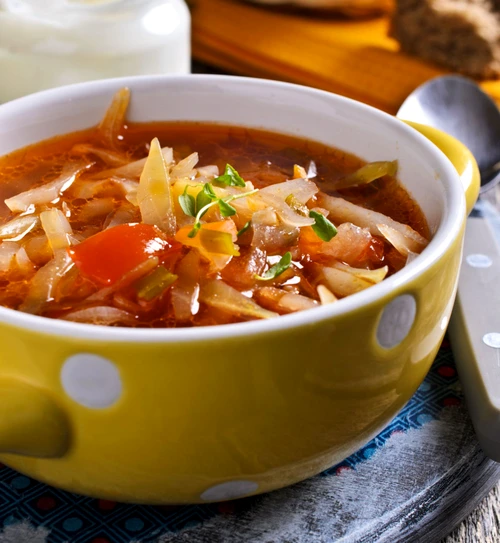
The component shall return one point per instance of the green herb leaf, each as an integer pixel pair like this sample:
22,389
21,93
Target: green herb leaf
322,227
277,269
244,229
205,197
226,210
194,231
230,177
209,191
187,203
201,200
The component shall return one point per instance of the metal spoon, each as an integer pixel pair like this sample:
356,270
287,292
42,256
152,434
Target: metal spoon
456,105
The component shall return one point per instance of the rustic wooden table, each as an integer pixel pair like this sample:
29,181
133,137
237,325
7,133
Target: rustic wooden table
482,525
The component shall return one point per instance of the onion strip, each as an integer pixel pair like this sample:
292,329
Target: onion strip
326,296
286,302
185,168
57,228
404,245
8,251
114,119
341,211
343,280
17,228
111,158
44,282
103,315
220,295
372,276
23,261
185,291
134,169
154,195
276,195
48,192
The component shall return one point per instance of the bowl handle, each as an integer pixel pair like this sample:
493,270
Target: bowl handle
461,158
31,424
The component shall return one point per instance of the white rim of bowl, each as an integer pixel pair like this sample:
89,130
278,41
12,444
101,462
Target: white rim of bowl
446,234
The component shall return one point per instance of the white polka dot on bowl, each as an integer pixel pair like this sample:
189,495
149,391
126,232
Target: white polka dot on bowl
396,321
90,380
229,491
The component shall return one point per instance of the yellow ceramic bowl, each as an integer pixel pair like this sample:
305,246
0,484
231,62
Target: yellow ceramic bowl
193,415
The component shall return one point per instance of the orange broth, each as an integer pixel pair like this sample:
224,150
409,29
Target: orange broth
261,157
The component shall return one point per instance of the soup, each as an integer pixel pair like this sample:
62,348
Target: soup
214,225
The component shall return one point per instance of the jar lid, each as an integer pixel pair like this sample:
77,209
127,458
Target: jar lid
102,27
74,11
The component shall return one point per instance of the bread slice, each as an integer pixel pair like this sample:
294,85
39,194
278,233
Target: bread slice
462,35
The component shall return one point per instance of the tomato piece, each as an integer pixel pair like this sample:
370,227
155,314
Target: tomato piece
107,256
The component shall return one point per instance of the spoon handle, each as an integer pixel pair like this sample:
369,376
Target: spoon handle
475,332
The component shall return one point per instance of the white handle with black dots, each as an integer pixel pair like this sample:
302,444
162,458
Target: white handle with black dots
475,332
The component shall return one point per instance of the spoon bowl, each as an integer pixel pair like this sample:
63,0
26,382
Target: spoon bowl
457,106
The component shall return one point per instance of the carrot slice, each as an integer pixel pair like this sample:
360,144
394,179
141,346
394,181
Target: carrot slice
215,241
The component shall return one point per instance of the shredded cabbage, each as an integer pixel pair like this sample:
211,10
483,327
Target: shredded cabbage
185,168
8,251
185,291
110,126
326,296
19,227
111,158
342,280
133,170
48,192
57,228
45,281
341,211
103,315
153,195
218,294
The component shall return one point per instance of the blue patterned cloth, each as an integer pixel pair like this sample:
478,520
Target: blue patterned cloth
76,519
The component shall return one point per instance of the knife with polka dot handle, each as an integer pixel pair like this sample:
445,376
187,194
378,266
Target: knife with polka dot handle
475,332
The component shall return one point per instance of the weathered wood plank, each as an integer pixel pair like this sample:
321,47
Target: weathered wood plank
482,525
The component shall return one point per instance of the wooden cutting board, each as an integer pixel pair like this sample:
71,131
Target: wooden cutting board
355,58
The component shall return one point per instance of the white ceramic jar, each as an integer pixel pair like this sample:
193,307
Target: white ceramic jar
50,43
